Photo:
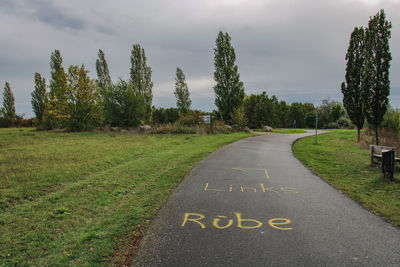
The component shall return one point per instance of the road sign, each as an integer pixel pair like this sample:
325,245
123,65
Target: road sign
206,118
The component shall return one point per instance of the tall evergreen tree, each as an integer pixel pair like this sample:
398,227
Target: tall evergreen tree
376,83
39,97
229,91
352,86
103,74
183,101
57,95
141,78
8,103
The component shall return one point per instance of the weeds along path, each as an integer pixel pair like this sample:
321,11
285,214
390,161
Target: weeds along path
252,203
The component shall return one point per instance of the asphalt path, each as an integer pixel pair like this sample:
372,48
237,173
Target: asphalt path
252,203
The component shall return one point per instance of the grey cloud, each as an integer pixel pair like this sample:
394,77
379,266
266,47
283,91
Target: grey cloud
292,49
9,5
46,11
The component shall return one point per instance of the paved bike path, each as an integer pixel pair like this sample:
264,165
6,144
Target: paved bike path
252,203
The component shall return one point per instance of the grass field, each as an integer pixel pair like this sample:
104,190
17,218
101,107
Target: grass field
344,165
84,198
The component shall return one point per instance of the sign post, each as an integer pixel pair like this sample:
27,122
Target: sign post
316,126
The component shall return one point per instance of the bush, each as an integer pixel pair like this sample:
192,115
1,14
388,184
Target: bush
19,121
345,123
218,123
391,121
193,118
333,125
239,118
25,122
180,129
176,128
164,115
5,122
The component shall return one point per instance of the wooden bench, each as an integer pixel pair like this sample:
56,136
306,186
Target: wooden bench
376,153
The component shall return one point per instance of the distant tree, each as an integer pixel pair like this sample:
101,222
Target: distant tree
216,115
56,110
281,111
39,98
165,115
376,83
352,86
103,74
83,110
259,110
308,107
229,91
8,109
124,105
329,112
141,79
183,101
250,107
309,119
295,115
336,112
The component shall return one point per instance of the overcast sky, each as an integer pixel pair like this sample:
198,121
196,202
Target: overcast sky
292,49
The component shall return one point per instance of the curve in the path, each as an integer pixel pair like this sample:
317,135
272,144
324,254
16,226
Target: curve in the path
252,203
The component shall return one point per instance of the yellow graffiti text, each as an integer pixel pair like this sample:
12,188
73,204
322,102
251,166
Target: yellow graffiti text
196,220
223,222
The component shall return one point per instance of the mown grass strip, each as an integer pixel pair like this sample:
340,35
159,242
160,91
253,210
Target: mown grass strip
283,131
82,198
288,131
342,163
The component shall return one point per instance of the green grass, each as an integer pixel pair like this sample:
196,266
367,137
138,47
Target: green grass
288,131
342,163
84,198
283,131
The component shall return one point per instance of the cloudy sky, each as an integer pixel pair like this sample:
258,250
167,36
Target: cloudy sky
293,49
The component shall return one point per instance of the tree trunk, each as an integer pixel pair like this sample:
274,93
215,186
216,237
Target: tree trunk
376,135
358,134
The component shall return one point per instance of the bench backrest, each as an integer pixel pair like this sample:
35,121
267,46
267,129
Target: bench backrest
378,149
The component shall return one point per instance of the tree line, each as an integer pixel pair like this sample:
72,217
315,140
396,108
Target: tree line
77,103
74,102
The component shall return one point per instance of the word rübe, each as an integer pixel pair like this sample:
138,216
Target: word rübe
222,222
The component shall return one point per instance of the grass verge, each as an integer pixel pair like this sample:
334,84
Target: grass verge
84,198
288,131
343,164
282,131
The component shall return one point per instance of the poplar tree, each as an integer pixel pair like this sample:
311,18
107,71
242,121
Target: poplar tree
57,94
376,83
103,74
229,91
183,101
352,86
8,109
39,97
141,79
